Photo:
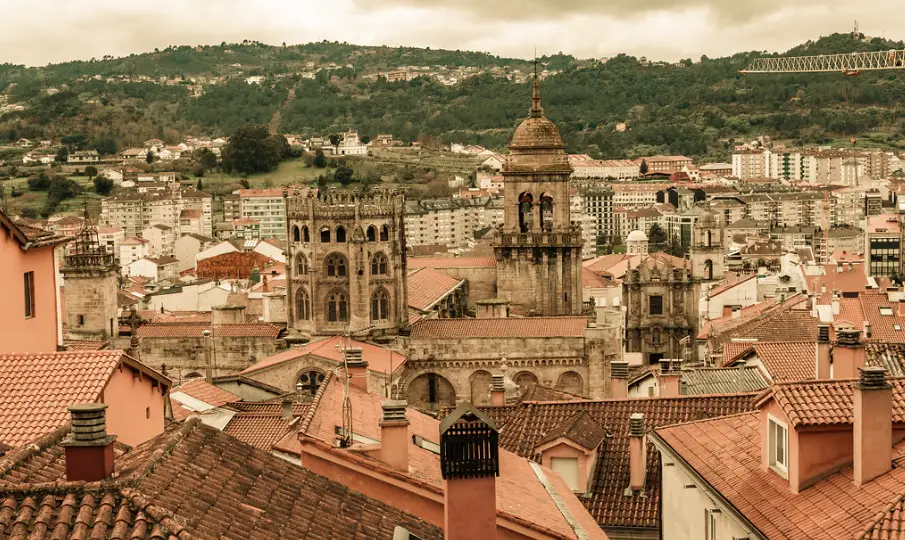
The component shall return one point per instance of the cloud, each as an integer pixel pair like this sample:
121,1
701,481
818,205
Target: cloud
36,32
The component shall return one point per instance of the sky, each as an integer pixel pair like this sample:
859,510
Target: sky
37,32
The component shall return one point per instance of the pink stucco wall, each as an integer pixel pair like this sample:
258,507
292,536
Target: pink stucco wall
134,407
562,450
18,334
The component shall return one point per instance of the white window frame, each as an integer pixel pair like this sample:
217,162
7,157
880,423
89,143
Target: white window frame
712,528
781,467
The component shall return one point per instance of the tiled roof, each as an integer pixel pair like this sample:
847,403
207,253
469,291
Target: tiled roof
734,349
202,391
700,381
592,280
85,344
451,262
848,280
262,424
819,403
512,327
38,388
791,325
427,286
883,327
194,330
726,453
607,501
757,321
579,428
31,237
378,358
887,355
190,482
786,361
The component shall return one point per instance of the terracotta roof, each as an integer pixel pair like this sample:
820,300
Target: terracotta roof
451,262
191,482
194,330
427,286
202,391
726,453
579,428
512,327
607,500
38,388
592,280
887,355
378,358
785,361
820,403
262,424
31,237
883,327
85,344
848,280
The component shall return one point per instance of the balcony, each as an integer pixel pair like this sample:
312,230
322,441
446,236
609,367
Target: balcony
550,239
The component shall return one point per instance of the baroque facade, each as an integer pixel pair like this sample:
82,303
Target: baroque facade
346,270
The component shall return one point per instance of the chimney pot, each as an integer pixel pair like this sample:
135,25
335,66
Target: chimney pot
498,391
287,409
637,452
89,450
823,333
872,377
357,368
619,379
636,425
872,430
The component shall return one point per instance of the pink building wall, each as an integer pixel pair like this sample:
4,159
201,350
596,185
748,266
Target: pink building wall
134,407
17,333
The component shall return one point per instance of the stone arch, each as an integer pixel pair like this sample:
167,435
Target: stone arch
708,268
524,379
325,234
308,380
336,265
384,234
430,391
546,212
372,233
525,211
379,264
481,381
380,305
302,304
296,234
193,375
571,382
336,305
341,234
301,265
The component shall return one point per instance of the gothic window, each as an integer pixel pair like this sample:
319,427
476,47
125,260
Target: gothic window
546,212
337,307
525,208
301,265
309,382
306,237
302,305
380,305
384,234
336,265
372,233
296,234
341,234
379,265
325,235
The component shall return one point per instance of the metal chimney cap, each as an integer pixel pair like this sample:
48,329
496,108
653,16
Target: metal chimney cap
87,407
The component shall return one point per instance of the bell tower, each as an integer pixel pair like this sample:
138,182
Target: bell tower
90,277
539,251
707,256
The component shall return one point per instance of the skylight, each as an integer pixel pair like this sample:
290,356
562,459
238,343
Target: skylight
886,311
897,327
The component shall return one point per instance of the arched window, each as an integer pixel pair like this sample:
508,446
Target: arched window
379,265
301,265
380,305
336,265
325,235
306,237
296,234
341,234
525,209
708,269
384,234
546,212
372,233
302,305
337,307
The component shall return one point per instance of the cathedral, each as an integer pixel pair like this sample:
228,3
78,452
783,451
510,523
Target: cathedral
538,252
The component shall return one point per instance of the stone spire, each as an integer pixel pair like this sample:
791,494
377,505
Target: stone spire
536,110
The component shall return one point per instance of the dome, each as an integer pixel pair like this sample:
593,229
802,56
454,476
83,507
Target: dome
636,236
536,132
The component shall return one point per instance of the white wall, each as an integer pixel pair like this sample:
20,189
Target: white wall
185,250
271,251
214,250
743,294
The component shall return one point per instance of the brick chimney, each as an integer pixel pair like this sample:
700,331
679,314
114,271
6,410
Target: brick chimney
670,377
498,391
89,450
873,425
823,351
619,379
469,463
358,368
637,452
394,434
287,409
848,354
900,307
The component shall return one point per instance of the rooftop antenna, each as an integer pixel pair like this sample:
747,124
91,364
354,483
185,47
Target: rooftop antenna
346,343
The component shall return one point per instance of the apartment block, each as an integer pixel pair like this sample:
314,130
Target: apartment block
450,222
267,206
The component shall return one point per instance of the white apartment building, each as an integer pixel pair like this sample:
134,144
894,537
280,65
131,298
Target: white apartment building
133,211
636,196
749,164
597,202
620,170
132,249
111,238
266,206
161,239
450,222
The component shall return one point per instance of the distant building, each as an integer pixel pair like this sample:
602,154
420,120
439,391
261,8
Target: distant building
267,206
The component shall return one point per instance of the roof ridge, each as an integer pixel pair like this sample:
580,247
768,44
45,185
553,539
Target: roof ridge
703,420
315,403
18,455
173,438
878,518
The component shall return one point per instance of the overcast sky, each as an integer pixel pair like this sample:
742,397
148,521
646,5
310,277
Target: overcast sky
36,32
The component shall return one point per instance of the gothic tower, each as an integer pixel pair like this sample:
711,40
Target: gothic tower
539,251
90,291
707,255
346,267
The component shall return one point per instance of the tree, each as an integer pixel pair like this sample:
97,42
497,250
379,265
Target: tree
103,185
90,171
244,183
344,175
62,154
200,185
150,157
207,159
320,160
644,168
39,183
282,145
251,149
104,147
334,139
656,236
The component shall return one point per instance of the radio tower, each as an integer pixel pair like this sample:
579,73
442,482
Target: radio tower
856,34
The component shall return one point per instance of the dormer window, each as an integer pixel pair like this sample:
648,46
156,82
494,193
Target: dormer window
778,439
567,467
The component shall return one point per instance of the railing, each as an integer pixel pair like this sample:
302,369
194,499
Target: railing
540,239
847,62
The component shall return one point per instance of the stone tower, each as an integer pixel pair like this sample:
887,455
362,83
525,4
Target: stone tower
346,265
90,291
539,251
707,255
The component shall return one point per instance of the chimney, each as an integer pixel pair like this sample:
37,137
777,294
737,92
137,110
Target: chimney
848,355
836,305
823,352
469,463
670,377
89,450
727,310
868,333
394,434
357,368
287,409
498,391
619,379
901,308
873,425
208,342
637,452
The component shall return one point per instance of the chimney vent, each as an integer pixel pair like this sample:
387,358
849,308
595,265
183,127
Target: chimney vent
498,385
823,333
287,409
89,423
353,355
636,425
848,337
619,369
393,410
469,445
872,377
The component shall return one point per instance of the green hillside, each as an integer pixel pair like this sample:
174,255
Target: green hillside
698,108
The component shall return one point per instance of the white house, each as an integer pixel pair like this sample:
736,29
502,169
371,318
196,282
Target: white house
156,269
162,239
728,298
214,250
187,247
83,156
198,296
494,162
130,250
272,249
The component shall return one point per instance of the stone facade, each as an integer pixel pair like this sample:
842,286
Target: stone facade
90,291
707,255
347,263
183,357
